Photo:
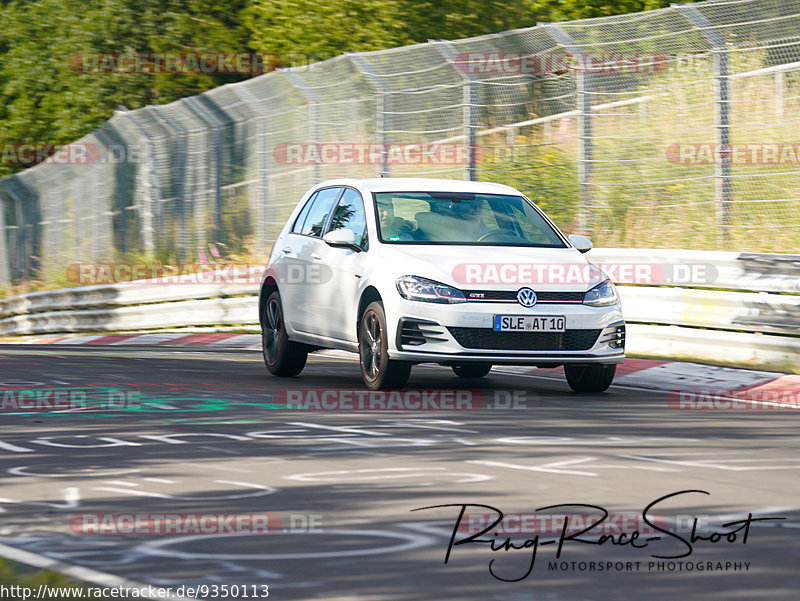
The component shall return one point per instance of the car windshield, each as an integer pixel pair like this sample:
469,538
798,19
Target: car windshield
463,219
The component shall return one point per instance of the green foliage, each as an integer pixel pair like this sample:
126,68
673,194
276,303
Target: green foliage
565,10
546,173
45,97
11,575
43,100
297,29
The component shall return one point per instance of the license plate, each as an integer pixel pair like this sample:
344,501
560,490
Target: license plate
530,323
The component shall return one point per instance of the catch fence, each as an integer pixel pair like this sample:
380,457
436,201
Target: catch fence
672,128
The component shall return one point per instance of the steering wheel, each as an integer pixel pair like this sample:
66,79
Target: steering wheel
500,236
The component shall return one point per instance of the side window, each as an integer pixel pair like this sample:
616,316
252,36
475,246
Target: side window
349,215
301,218
320,209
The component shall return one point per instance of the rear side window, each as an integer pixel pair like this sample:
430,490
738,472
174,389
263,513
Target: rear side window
301,218
317,216
349,215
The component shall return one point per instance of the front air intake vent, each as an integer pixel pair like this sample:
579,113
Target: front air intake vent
416,332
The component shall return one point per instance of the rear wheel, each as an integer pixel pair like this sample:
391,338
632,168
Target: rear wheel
472,370
590,378
378,371
282,356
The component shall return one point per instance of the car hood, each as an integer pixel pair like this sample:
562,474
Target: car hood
493,267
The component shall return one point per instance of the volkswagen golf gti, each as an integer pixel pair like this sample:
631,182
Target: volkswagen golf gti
468,275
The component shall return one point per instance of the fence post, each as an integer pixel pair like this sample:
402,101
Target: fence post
262,165
381,112
470,103
150,198
583,91
213,123
313,100
101,246
5,268
28,234
80,205
108,142
148,201
183,233
722,166
264,217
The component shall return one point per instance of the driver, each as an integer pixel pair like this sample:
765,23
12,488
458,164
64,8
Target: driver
393,228
470,210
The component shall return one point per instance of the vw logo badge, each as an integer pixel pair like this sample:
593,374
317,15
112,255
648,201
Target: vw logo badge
526,297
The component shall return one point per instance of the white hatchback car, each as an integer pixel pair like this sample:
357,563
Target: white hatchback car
463,274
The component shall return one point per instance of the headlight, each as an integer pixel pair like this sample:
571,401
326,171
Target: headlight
415,288
601,295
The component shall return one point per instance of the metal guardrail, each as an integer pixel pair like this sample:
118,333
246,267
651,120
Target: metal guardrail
716,307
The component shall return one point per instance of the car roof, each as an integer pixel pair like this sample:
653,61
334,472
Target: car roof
421,184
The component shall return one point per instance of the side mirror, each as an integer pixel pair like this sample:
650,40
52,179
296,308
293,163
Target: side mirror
583,244
342,238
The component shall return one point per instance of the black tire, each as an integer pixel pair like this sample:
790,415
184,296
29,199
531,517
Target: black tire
281,356
472,370
590,378
378,371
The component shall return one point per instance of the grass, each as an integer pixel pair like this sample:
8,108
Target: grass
642,194
15,575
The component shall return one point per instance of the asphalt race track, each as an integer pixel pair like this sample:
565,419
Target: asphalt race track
201,433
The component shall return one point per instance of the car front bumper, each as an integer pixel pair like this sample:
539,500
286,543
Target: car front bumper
439,325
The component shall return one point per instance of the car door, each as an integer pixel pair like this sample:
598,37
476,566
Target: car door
310,273
336,302
287,266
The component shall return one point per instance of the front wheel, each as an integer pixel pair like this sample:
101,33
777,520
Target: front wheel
590,378
282,356
472,370
378,371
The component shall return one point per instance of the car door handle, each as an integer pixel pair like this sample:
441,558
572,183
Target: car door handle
287,250
316,256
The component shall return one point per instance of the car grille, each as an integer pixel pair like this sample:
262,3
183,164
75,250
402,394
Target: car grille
505,296
484,338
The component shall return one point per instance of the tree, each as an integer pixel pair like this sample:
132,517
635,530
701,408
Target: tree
566,10
309,30
45,95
